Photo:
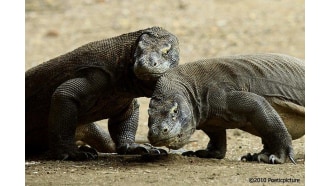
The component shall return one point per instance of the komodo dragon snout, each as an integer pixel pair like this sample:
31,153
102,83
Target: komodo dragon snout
175,130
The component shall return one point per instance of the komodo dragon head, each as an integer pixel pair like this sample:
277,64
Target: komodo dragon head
157,51
171,121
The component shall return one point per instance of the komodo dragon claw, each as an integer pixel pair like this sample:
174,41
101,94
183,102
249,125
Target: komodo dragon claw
141,149
292,159
264,157
205,154
81,154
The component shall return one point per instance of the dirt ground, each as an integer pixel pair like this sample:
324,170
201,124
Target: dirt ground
206,29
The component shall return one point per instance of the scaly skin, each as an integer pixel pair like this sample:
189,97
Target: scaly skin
263,94
99,80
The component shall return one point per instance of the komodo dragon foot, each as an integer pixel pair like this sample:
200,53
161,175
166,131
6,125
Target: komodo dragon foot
205,154
267,157
78,154
141,149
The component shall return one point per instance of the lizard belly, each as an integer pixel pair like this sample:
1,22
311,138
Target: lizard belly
108,106
293,119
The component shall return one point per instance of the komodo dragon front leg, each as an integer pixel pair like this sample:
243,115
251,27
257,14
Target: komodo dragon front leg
69,99
266,122
216,148
124,129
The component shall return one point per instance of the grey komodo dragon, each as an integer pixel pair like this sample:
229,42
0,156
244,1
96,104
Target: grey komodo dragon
263,94
99,80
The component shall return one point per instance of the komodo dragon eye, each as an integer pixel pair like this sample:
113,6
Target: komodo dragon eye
166,49
174,111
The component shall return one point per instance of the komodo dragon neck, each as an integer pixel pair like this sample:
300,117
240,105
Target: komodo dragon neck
119,63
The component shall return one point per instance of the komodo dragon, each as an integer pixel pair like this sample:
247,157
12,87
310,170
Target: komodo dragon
99,80
263,94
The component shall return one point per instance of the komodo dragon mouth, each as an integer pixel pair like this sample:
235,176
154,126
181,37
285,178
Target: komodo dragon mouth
174,142
148,75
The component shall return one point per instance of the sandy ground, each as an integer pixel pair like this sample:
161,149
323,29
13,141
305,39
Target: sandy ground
206,29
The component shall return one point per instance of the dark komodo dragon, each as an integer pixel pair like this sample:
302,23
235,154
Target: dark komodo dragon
263,94
99,80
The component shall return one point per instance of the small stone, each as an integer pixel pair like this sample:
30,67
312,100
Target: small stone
52,33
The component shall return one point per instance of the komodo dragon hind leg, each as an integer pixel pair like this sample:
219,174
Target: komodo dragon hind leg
93,135
267,122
